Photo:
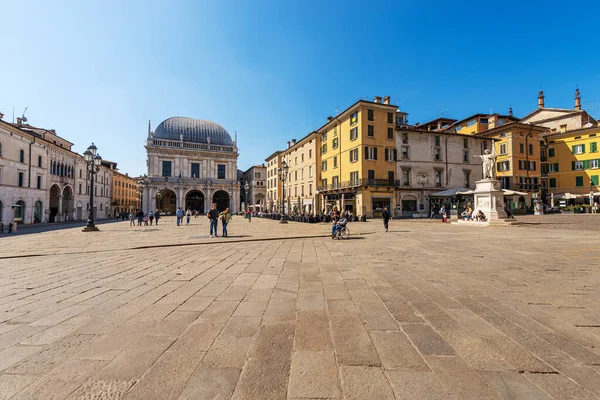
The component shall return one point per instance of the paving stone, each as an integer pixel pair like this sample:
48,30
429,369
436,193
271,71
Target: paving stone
333,292
286,291
342,307
314,374
397,352
309,301
266,373
313,332
211,383
512,385
231,347
365,383
111,389
250,309
409,385
199,335
376,316
196,303
234,293
13,384
219,311
353,345
459,379
280,310
427,340
559,387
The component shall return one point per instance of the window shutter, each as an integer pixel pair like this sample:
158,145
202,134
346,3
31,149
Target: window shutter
395,154
374,153
582,148
573,165
366,152
572,149
533,166
387,152
586,164
555,167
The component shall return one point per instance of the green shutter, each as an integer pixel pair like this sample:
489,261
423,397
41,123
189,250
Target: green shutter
555,167
594,179
583,149
573,165
593,147
550,152
586,164
552,182
579,181
572,149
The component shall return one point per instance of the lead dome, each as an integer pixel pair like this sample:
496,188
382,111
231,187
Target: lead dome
193,130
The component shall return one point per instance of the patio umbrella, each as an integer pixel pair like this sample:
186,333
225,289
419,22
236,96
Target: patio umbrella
450,192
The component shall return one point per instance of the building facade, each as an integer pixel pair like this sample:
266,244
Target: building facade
256,198
302,158
274,187
430,162
358,158
125,193
192,163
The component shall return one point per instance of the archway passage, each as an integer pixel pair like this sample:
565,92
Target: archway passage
167,201
195,201
54,194
20,212
67,202
221,198
259,200
37,212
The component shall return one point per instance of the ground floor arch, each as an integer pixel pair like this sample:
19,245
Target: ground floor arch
166,201
194,201
20,212
55,194
221,198
38,210
67,203
1,211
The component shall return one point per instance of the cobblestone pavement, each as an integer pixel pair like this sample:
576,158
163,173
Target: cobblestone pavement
425,311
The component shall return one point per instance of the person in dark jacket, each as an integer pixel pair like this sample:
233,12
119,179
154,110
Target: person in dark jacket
140,217
386,218
213,217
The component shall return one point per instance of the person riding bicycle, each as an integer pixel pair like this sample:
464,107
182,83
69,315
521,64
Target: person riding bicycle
338,226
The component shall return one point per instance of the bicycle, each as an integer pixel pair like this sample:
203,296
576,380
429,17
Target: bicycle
343,233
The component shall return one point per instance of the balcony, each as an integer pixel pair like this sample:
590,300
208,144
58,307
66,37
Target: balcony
360,183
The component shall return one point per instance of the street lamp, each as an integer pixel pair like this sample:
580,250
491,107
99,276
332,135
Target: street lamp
246,188
143,183
283,171
92,161
591,193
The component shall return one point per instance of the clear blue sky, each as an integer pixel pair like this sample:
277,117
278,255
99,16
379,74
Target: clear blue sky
274,70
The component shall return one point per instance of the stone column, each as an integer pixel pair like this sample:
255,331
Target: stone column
59,216
342,208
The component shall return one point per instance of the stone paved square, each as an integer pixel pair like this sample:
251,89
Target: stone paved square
425,311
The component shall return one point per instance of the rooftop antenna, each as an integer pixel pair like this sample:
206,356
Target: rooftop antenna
337,110
442,109
398,102
23,117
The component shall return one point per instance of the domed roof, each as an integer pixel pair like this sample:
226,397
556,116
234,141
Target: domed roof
193,130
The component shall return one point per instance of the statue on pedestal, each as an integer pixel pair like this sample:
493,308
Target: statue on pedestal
489,163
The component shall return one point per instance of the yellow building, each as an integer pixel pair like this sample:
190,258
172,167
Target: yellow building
358,158
126,193
302,159
478,123
517,147
274,190
573,163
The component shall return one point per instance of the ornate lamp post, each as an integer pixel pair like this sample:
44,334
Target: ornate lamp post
283,171
143,182
246,188
92,161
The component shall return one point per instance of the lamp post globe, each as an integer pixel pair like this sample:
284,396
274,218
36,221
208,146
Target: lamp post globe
283,171
92,162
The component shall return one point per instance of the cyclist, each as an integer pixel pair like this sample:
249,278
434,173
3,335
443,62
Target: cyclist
341,223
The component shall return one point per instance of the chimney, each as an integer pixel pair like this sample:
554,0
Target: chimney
329,118
577,99
439,125
541,99
377,99
386,100
19,121
293,142
510,112
288,145
1,115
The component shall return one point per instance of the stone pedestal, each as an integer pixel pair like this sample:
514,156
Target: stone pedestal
489,198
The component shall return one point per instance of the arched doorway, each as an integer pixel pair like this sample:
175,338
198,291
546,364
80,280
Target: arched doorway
20,212
221,198
259,201
54,195
79,211
195,201
67,203
166,201
37,212
409,205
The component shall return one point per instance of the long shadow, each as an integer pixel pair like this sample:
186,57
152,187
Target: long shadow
40,228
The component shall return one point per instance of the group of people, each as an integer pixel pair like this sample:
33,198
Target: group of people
470,215
145,219
214,216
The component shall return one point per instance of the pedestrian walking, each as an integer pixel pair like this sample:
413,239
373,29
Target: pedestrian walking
157,216
131,219
140,217
151,216
443,212
213,217
249,215
225,217
179,215
188,216
386,218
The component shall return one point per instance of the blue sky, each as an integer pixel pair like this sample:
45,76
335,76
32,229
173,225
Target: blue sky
274,70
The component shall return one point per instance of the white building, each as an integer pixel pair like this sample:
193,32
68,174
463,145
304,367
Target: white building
430,162
256,177
192,163
47,180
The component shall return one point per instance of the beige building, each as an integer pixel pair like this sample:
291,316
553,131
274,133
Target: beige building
431,162
274,189
256,178
301,184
